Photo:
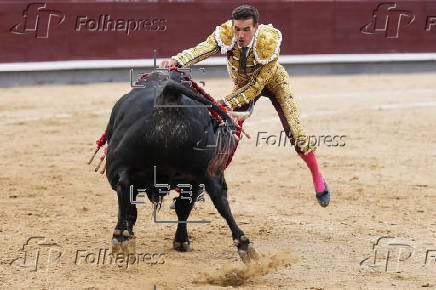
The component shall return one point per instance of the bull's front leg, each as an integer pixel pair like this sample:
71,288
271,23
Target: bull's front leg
123,239
183,206
216,187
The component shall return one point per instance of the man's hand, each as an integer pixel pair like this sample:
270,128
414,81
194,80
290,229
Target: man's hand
168,63
221,102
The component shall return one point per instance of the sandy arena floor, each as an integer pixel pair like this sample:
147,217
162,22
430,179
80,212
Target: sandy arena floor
382,181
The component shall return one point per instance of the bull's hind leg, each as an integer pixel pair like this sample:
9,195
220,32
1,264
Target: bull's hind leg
123,239
132,214
216,187
183,207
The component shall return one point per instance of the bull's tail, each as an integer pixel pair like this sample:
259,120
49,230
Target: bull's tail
224,149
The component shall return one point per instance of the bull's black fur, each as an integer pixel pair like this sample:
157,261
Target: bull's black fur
174,140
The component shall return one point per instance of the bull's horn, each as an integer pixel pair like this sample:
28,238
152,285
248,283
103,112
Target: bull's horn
241,116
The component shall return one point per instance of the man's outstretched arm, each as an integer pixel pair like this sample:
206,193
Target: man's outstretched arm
254,86
193,55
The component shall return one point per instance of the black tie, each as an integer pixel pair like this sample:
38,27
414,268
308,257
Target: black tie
243,58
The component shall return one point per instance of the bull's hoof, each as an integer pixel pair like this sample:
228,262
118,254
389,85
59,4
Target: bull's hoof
182,246
249,255
246,250
323,197
123,243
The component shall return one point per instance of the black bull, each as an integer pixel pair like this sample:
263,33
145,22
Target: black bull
149,145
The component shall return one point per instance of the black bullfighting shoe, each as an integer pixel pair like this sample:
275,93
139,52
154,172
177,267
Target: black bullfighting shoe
323,197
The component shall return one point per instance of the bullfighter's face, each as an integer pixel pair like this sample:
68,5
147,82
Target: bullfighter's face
244,31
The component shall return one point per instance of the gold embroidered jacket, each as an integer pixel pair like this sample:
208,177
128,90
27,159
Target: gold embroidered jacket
262,70
260,65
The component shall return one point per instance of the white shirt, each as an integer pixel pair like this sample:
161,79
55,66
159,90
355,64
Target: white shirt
249,46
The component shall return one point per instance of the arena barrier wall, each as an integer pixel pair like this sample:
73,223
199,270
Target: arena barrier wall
129,32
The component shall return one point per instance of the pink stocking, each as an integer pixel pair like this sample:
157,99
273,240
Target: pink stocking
318,180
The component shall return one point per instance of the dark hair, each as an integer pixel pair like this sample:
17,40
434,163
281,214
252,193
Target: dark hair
246,12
